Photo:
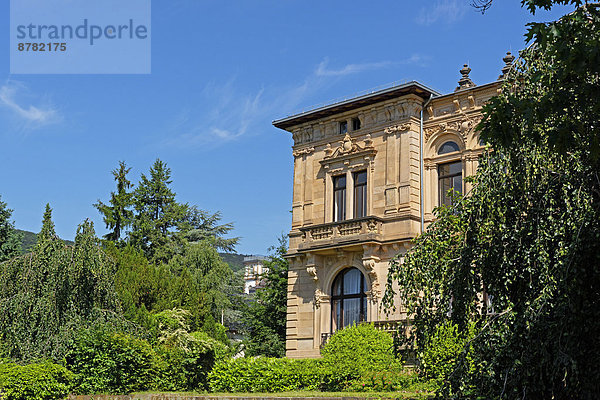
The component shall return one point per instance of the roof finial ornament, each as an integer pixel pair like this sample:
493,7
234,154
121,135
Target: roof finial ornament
508,61
465,82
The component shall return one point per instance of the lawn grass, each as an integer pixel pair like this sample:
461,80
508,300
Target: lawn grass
402,394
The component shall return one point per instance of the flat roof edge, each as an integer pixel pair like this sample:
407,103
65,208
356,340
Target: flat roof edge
329,109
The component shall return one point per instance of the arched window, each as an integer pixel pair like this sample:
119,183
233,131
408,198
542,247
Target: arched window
448,147
348,299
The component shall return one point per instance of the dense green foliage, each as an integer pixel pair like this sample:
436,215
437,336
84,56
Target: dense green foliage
41,381
442,350
263,374
10,240
110,362
265,318
355,351
518,260
55,289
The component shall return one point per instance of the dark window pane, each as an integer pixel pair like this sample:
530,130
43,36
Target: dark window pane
449,177
339,198
349,301
455,168
355,124
339,182
336,316
352,281
360,178
343,127
360,194
457,184
448,147
337,286
351,312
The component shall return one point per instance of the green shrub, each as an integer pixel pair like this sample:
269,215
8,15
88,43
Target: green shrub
355,351
42,381
442,350
110,362
116,363
186,367
262,374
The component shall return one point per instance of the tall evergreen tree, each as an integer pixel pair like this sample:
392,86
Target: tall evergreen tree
157,212
10,240
48,232
118,214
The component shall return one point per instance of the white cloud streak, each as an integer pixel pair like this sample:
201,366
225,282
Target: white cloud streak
32,116
442,11
235,114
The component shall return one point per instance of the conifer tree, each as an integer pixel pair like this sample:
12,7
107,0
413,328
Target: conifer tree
157,212
10,240
117,214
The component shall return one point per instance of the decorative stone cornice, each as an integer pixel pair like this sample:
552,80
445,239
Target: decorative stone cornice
397,128
303,152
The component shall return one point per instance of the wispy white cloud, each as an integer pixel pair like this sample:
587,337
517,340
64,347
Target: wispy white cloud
229,118
442,11
12,97
233,113
324,70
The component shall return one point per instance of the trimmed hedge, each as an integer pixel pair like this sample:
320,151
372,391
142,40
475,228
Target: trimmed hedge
116,363
41,381
356,351
265,375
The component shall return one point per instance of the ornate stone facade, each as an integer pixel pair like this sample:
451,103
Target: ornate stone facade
395,137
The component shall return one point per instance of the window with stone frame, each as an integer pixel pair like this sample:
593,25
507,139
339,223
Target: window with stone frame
360,194
348,299
339,198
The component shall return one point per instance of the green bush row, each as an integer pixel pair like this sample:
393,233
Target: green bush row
263,374
111,362
41,381
351,354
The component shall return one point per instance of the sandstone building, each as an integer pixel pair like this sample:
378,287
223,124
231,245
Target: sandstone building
368,173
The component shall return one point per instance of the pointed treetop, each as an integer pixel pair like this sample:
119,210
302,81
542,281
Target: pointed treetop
47,232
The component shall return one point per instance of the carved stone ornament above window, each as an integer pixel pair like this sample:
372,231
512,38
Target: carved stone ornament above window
348,146
464,126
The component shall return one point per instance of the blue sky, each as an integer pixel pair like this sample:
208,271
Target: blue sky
221,72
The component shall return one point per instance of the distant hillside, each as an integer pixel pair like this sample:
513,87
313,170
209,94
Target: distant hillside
235,261
30,239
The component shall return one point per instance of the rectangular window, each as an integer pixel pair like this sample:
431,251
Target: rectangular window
355,124
449,177
360,194
339,198
343,127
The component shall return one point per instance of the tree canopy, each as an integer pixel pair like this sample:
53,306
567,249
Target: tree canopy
518,260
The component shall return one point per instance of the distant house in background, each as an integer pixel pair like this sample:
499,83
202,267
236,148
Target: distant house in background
254,268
